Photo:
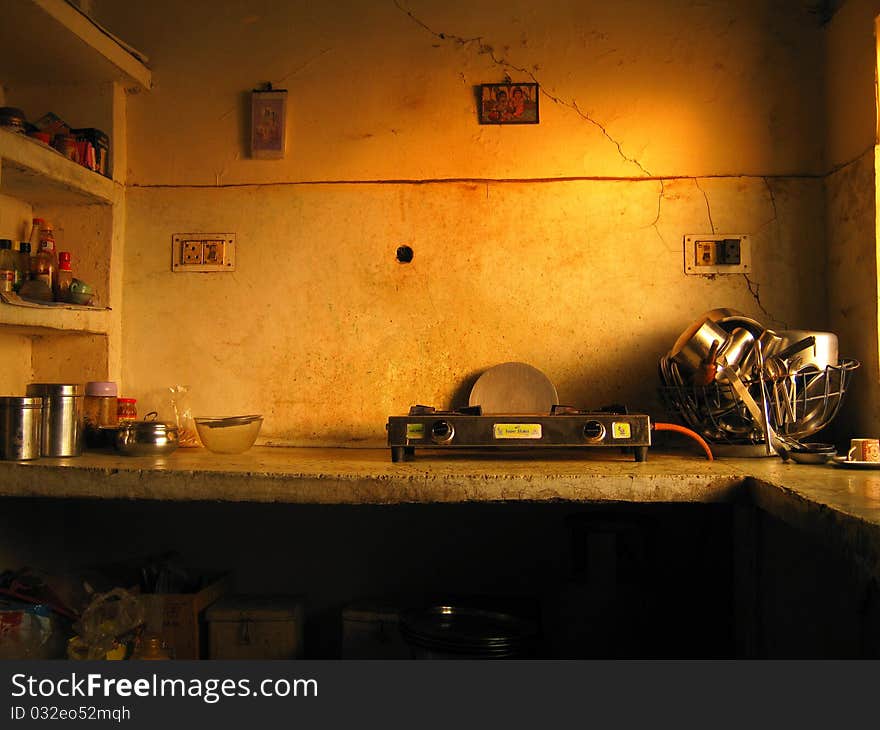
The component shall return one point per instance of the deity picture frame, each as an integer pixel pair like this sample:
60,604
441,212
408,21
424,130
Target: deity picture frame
268,124
509,103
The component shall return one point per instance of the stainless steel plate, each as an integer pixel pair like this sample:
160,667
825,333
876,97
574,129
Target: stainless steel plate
514,387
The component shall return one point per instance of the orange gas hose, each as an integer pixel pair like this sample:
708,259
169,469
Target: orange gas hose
687,432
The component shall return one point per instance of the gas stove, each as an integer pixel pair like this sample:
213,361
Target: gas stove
564,427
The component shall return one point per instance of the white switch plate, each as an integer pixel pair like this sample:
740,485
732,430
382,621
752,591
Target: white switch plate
693,266
203,252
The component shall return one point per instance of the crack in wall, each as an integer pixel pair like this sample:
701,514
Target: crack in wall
486,49
755,291
754,287
655,224
708,207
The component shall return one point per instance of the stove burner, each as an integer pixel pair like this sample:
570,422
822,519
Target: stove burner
565,426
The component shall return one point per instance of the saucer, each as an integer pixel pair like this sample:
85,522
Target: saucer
847,464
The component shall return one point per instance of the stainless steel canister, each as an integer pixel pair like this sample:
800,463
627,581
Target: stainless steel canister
62,417
21,424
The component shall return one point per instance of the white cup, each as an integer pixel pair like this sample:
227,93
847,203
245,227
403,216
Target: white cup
864,450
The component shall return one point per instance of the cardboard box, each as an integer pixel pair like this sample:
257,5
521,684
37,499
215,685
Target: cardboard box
182,617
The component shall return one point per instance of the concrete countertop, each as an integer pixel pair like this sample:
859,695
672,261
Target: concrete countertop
826,500
367,476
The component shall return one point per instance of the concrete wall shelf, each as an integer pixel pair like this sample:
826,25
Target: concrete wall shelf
35,173
81,50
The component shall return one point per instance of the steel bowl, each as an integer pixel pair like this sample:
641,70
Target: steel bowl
230,435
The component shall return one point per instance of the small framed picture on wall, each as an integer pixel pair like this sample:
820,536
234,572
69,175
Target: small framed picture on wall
268,123
509,103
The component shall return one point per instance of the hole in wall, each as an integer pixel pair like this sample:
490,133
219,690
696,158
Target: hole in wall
404,254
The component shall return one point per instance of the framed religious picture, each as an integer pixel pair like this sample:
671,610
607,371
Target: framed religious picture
509,103
268,123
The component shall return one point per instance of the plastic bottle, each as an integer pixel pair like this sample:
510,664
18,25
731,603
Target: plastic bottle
8,261
24,260
44,263
35,235
65,276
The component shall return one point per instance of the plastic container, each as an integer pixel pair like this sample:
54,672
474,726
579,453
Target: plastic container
126,409
62,418
20,428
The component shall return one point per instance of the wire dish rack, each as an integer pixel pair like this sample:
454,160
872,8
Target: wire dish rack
799,404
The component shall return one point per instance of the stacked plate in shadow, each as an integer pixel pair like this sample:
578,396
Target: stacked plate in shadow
466,632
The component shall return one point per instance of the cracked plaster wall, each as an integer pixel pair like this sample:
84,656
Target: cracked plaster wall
558,244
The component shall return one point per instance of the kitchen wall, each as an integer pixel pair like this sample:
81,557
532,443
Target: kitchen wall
851,190
558,244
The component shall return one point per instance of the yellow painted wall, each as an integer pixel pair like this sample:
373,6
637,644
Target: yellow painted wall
851,233
524,249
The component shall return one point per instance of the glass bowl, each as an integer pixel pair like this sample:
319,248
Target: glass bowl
230,435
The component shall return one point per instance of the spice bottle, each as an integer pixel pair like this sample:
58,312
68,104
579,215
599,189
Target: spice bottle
44,263
126,409
64,278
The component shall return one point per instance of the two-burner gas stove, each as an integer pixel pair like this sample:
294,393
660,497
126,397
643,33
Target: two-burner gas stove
563,427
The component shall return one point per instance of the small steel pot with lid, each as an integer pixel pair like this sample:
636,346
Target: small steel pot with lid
147,438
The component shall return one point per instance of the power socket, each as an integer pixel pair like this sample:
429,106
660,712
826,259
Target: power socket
191,253
710,254
203,252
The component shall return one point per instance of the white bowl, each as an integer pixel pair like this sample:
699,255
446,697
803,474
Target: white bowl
230,435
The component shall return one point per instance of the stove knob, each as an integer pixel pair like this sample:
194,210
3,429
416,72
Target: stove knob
442,432
594,432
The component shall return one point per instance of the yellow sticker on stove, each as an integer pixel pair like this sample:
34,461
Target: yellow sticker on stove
415,430
517,430
620,430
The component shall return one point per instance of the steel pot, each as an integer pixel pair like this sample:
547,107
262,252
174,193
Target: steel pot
62,429
146,438
693,346
820,356
21,426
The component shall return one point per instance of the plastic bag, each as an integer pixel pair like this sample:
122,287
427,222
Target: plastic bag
186,426
107,625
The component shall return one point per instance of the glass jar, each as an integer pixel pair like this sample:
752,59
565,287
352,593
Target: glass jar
99,408
126,409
